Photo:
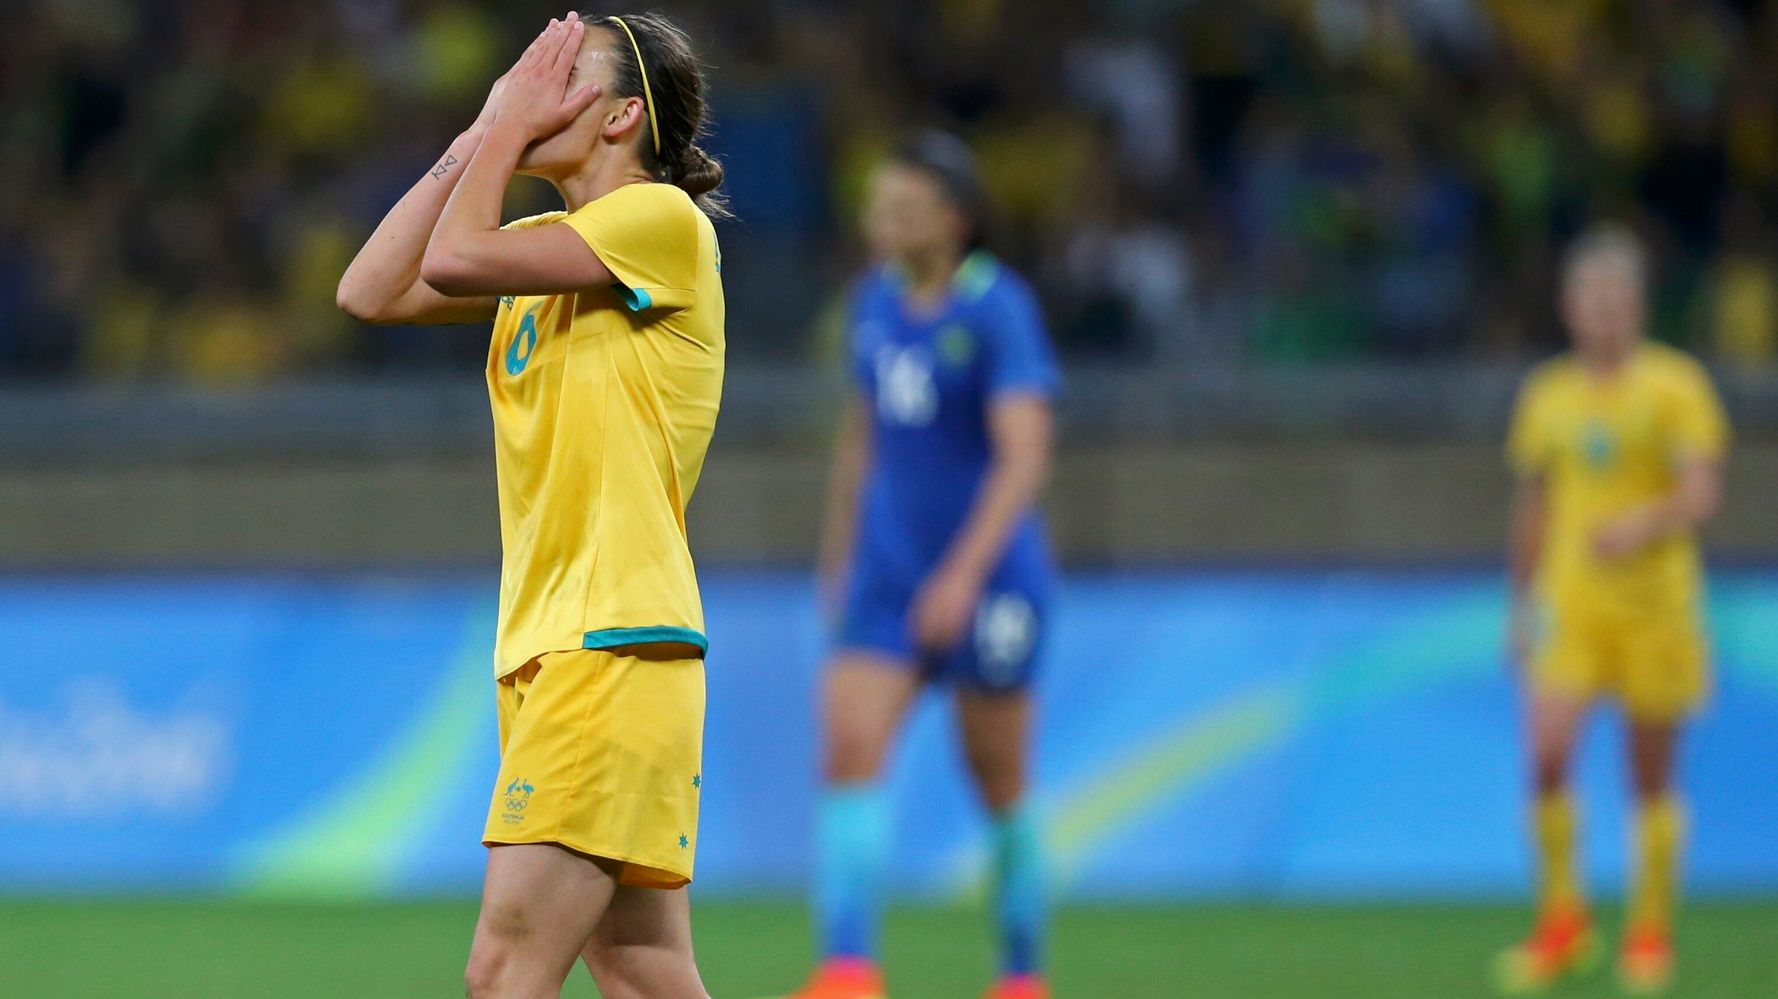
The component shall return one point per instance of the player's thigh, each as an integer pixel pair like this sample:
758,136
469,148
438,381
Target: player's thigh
996,730
1654,745
1554,720
865,696
643,947
540,905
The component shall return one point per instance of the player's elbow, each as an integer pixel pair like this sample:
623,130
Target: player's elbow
449,274
1700,493
1703,500
356,304
363,304
1029,452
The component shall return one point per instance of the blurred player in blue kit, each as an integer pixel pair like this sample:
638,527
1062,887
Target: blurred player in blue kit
934,551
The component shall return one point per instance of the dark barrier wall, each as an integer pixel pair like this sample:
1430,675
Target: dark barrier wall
1128,504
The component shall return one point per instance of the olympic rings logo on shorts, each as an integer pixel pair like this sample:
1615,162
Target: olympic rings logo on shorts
518,794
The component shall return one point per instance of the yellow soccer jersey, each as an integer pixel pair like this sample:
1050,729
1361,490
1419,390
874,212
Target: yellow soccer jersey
1604,448
604,402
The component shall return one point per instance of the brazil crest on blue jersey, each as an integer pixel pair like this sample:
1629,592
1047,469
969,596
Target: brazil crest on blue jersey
928,378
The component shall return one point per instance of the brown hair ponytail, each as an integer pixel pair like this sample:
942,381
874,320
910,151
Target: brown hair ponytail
675,82
698,173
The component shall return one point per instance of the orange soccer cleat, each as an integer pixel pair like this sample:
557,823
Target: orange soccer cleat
1645,964
844,978
1561,944
1020,987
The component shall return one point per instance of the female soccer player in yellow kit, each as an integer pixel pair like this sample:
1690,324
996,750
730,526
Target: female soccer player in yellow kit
1618,450
605,374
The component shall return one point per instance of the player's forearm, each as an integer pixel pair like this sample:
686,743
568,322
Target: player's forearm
1692,501
460,250
839,528
1666,517
389,263
1022,431
1522,567
1695,500
1525,542
1680,512
1008,494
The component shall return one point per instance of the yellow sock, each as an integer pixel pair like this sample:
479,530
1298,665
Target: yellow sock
1660,833
1559,886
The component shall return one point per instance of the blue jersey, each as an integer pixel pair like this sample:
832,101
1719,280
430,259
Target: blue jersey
928,380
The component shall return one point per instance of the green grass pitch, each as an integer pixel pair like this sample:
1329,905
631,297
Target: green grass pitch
181,949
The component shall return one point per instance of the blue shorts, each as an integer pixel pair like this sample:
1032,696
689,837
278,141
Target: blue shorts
998,653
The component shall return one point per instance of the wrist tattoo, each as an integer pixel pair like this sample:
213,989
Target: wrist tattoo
443,165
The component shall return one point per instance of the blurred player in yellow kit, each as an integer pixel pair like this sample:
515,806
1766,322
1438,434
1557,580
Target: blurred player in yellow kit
605,374
1618,450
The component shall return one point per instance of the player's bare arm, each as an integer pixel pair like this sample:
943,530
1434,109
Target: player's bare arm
1020,427
383,284
1692,502
1524,550
839,529
469,254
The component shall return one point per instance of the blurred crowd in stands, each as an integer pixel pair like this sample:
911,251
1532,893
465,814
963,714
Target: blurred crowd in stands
1201,183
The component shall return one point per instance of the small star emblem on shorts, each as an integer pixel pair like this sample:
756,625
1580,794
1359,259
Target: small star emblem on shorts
697,780
683,842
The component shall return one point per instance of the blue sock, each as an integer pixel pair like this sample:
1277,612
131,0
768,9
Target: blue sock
1019,890
853,831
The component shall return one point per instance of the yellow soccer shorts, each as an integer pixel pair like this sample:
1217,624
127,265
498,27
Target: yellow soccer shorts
601,753
1653,660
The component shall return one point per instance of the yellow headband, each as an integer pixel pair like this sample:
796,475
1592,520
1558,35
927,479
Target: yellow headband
647,94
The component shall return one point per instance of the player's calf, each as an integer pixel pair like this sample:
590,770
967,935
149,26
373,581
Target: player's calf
643,947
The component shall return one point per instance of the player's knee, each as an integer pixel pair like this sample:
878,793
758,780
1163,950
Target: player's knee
625,971
852,755
1549,774
500,933
617,967
481,980
602,961
1651,783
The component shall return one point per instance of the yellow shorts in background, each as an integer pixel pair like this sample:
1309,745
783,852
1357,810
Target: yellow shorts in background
1654,662
601,753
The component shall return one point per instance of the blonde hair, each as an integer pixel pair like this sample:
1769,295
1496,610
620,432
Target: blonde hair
1606,241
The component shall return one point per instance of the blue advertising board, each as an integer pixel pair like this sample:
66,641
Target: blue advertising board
1299,733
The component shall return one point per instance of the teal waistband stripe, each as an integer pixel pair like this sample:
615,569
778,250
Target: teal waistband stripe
606,638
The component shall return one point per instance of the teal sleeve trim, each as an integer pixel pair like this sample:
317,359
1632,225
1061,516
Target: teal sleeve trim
635,299
606,638
975,275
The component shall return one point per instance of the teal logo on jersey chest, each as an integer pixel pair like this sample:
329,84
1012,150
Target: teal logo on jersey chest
524,344
956,347
1598,445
